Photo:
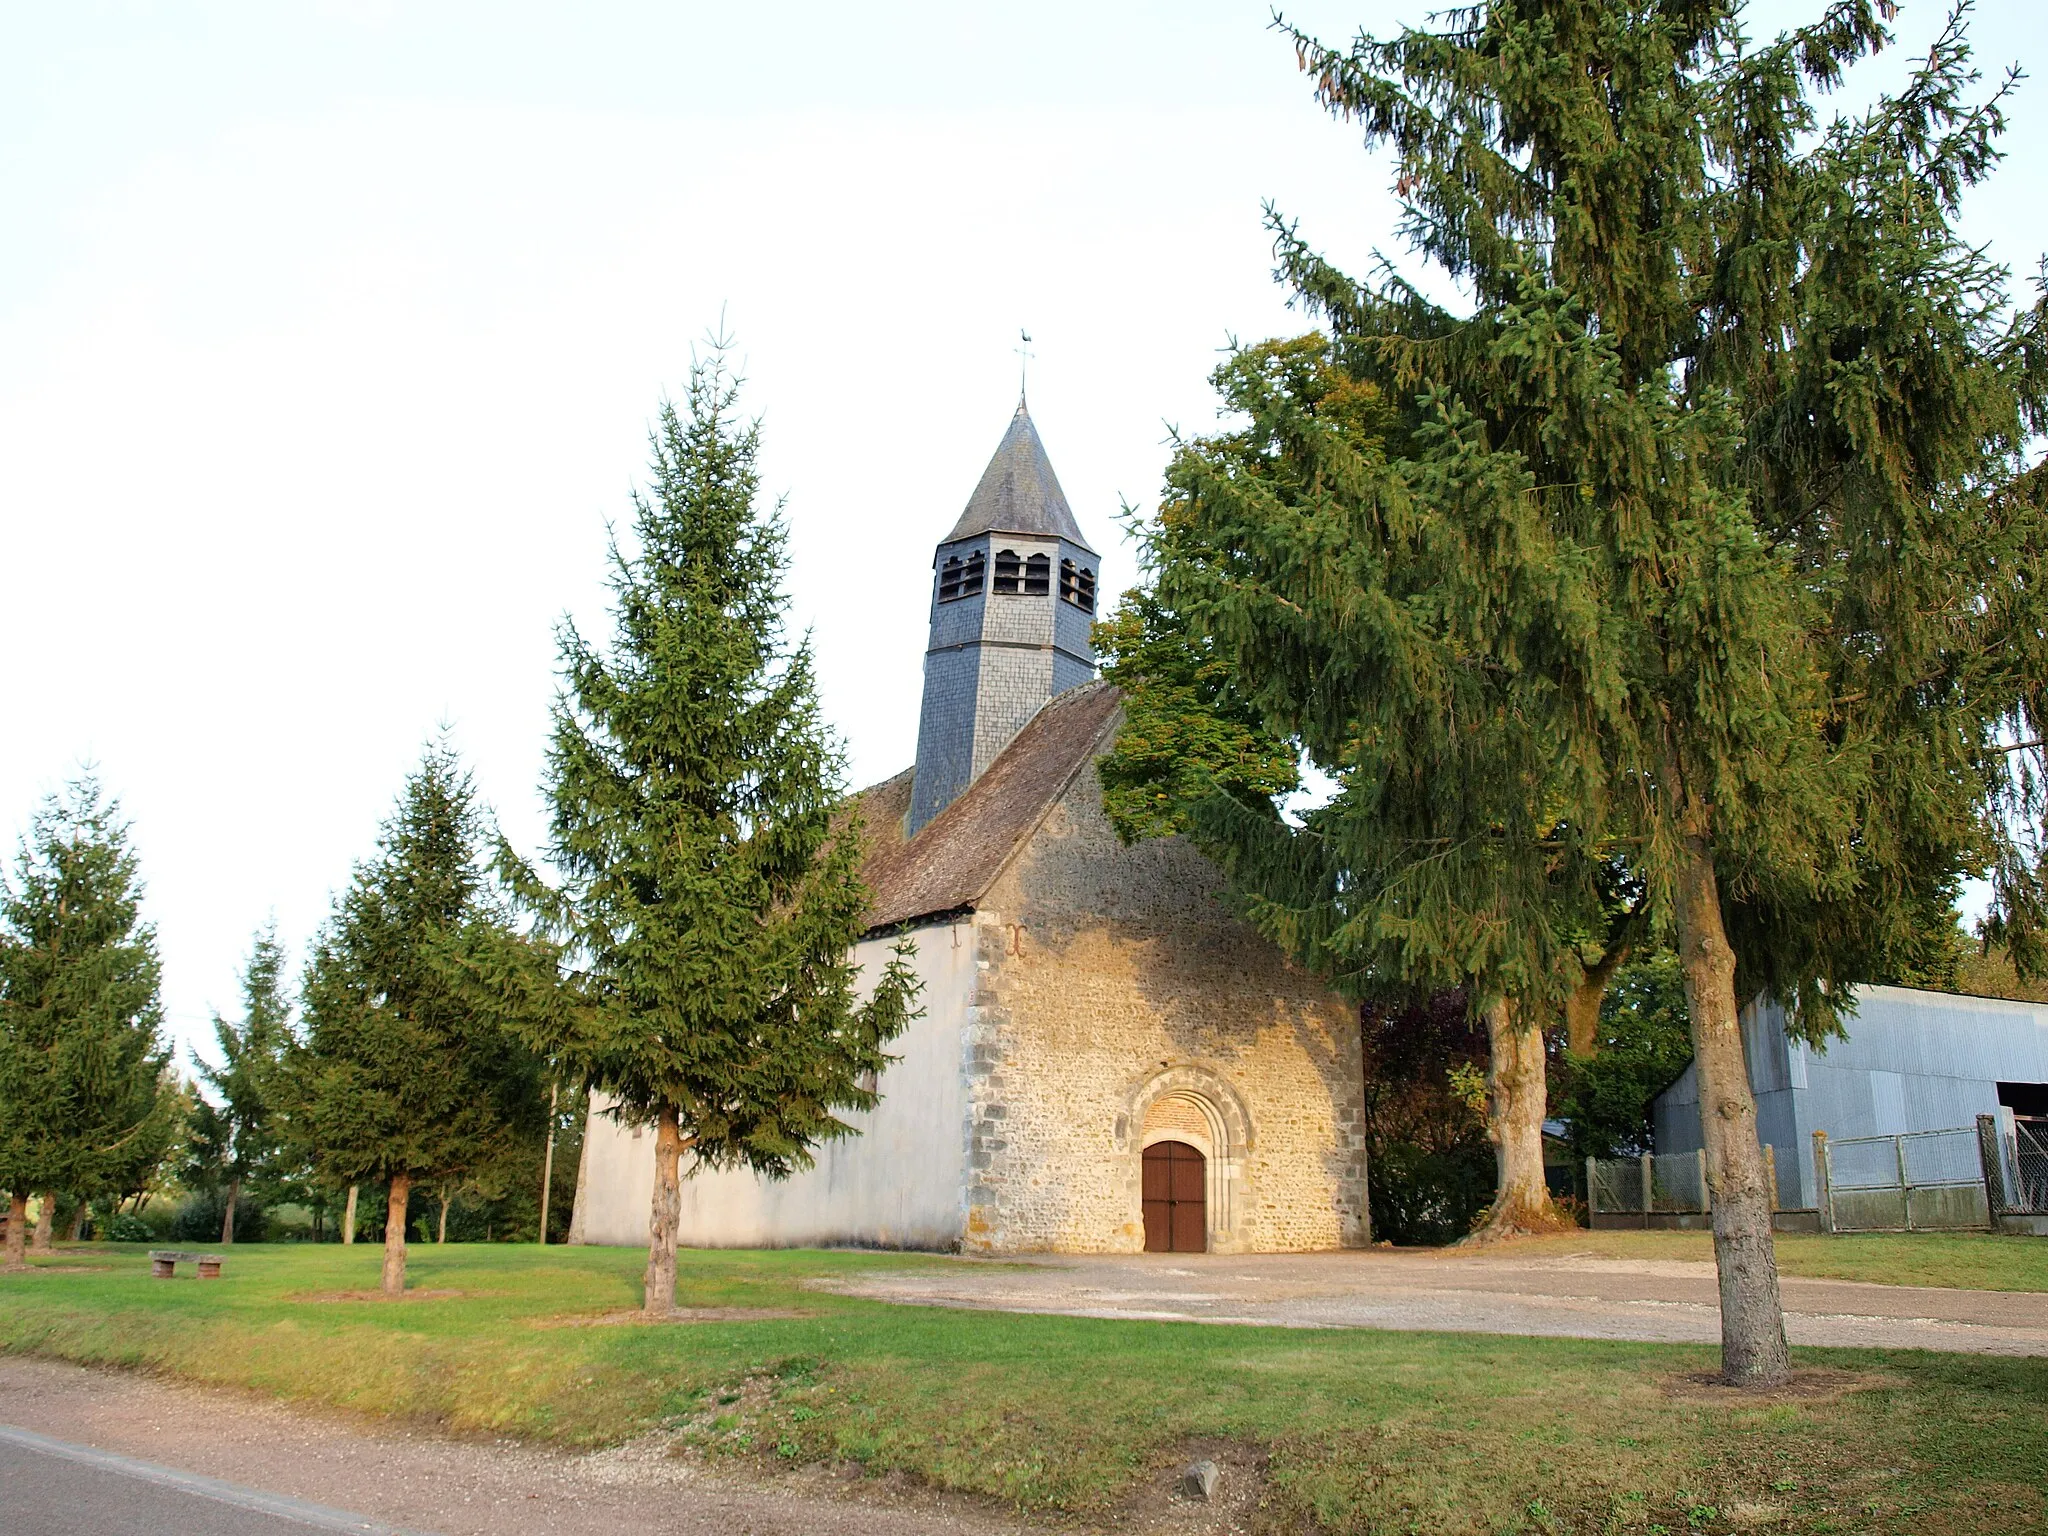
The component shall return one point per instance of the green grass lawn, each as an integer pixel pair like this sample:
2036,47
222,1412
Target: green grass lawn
1976,1261
1365,1431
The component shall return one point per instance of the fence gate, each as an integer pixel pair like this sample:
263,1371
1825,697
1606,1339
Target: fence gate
2017,1169
1921,1181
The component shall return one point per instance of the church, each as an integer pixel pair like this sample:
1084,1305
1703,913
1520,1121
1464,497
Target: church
1107,1061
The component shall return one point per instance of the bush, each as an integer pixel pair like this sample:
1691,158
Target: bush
283,1224
1422,1197
125,1228
199,1219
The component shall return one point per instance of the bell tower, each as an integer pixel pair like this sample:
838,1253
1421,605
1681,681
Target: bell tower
1013,596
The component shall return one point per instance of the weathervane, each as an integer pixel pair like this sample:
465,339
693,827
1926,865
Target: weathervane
1024,356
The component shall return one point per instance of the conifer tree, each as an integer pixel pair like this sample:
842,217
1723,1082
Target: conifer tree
711,894
83,1088
1436,867
400,1075
250,1056
1711,521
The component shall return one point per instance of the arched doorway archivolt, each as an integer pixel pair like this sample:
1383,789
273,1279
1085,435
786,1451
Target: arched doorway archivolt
1195,1107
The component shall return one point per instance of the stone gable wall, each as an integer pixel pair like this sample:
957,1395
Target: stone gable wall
1110,978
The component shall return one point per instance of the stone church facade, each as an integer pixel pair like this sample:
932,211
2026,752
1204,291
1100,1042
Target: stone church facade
1107,1060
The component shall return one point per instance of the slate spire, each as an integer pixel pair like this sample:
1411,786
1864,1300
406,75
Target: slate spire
1013,597
1019,493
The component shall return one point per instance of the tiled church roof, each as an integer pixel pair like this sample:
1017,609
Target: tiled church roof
1019,493
950,865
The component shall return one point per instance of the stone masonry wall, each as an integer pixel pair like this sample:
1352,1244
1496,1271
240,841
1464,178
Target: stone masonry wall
1110,978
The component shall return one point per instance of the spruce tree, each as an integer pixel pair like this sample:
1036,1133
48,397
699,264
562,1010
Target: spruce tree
1439,864
84,1098
250,1056
711,894
1710,519
400,1075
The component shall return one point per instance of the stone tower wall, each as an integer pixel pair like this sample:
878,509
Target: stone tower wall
1113,979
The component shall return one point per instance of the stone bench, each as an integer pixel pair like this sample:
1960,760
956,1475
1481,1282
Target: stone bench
164,1262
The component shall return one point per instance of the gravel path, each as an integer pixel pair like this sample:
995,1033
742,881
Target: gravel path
1659,1300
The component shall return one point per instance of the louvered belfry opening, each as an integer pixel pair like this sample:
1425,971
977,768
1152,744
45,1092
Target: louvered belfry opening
1077,586
961,578
1002,644
1176,1202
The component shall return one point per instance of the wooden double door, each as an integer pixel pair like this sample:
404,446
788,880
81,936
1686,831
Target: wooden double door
1176,1197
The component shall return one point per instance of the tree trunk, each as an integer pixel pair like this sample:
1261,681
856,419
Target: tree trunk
577,1209
46,1219
1515,1106
441,1232
547,1162
1582,1015
394,1234
660,1296
77,1228
17,1230
1753,1350
227,1219
348,1217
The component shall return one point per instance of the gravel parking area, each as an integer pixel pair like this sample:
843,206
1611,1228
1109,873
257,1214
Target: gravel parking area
1578,1296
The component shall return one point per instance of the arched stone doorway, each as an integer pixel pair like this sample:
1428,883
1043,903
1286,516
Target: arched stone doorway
1196,1110
1175,1198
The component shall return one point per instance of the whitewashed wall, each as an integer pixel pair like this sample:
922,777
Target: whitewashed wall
898,1184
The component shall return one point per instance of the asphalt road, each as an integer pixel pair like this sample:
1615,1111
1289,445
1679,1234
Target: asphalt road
55,1488
93,1453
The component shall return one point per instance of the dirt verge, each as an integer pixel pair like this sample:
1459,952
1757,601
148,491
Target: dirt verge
1814,1385
675,1315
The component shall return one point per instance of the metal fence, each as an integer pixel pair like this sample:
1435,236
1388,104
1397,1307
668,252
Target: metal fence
2016,1168
1917,1182
1665,1183
1966,1177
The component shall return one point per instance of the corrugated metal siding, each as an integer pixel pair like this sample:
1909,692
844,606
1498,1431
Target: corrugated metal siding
1912,1061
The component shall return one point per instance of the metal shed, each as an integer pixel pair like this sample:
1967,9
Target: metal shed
1912,1061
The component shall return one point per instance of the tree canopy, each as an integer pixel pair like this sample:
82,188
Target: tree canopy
85,1104
401,1073
238,1133
1704,536
710,868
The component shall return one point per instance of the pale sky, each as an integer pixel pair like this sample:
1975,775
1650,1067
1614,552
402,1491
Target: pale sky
330,333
